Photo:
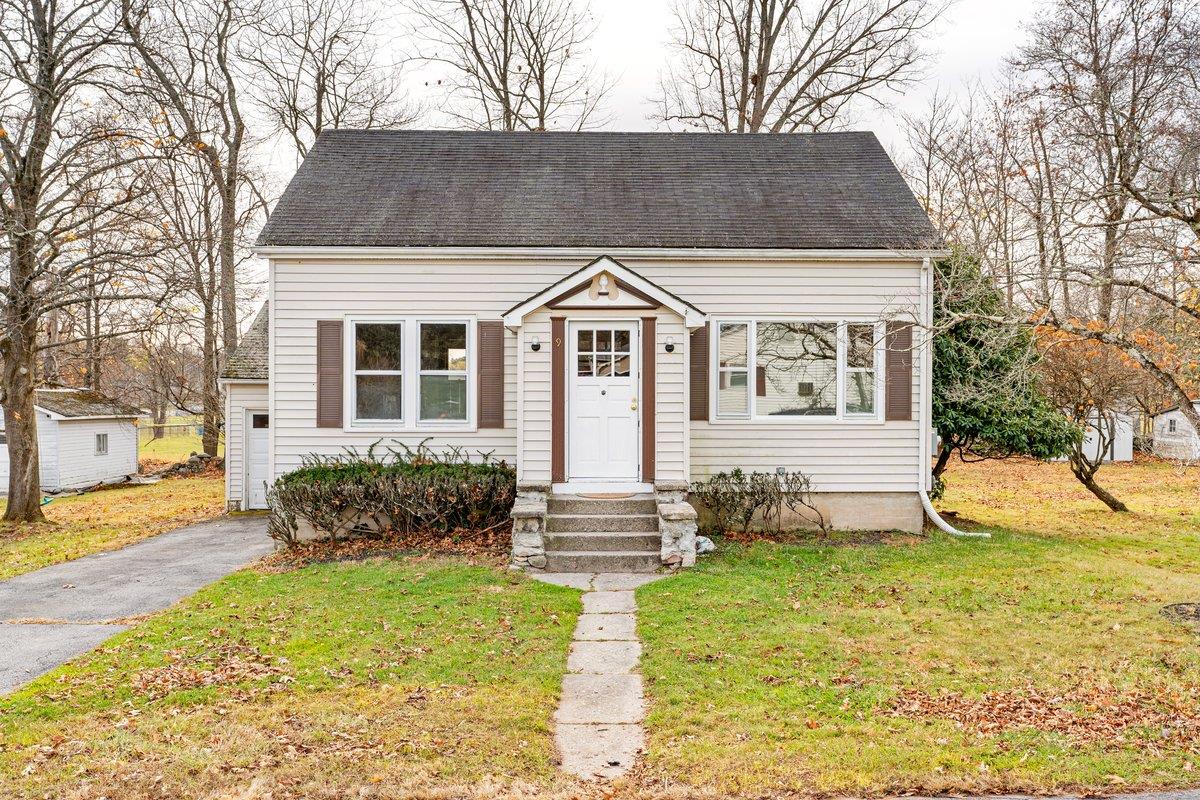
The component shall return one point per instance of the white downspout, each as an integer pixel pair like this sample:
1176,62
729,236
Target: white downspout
925,413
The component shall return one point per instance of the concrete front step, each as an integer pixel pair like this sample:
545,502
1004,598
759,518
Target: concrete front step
615,561
572,504
592,523
607,541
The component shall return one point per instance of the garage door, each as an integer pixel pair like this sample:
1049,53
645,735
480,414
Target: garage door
257,444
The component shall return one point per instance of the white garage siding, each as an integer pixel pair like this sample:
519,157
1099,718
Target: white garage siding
841,456
238,398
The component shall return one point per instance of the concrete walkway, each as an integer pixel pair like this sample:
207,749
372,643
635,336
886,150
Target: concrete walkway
52,615
598,724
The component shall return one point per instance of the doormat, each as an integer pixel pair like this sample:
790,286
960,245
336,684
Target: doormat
608,495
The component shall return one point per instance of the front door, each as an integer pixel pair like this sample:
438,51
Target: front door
602,406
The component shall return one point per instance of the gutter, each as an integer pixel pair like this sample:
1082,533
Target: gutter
589,253
925,414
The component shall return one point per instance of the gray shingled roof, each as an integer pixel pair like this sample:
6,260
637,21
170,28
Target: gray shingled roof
604,190
82,403
249,360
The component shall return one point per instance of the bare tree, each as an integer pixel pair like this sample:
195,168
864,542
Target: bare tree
65,177
319,67
1092,382
187,206
778,66
517,65
190,58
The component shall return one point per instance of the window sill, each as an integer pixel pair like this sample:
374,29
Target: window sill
387,428
871,422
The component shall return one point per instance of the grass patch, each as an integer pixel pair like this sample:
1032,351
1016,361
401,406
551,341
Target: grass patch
170,449
106,520
794,667
307,683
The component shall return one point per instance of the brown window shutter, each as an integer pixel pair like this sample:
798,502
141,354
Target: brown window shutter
329,373
899,400
760,381
491,373
698,388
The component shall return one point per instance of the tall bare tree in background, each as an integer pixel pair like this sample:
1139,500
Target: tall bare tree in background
779,66
188,207
190,58
1077,181
68,197
319,67
516,65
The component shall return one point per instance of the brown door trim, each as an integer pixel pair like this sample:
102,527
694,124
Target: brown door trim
558,400
647,405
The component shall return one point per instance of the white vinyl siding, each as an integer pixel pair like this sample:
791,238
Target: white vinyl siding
238,398
80,465
1174,436
875,456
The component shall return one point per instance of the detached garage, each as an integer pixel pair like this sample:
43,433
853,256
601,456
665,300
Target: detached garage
84,438
247,420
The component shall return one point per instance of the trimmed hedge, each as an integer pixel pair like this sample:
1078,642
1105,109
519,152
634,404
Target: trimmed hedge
411,490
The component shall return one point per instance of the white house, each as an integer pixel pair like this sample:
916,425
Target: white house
1174,436
1119,445
616,313
84,438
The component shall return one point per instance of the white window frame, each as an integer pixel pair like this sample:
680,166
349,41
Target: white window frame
410,372
99,451
1172,427
752,369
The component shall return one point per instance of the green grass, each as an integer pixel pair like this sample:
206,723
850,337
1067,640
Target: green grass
774,667
173,448
344,675
78,525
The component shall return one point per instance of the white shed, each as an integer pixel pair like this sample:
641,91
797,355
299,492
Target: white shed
1174,436
84,438
1121,446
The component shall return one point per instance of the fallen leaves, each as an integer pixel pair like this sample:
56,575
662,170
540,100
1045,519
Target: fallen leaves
1084,714
223,665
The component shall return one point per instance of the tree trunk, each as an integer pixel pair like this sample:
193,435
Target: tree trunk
943,460
160,419
212,396
20,422
1086,474
228,268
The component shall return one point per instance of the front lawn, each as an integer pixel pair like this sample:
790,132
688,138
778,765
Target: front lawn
106,520
1035,661
382,675
170,449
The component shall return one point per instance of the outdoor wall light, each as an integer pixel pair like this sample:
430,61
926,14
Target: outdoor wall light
670,344
535,344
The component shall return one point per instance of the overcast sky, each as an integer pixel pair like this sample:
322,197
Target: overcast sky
971,41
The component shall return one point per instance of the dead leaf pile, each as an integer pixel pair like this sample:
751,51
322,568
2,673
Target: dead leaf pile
489,546
1085,714
221,666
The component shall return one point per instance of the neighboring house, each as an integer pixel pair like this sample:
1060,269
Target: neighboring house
84,438
609,312
1174,436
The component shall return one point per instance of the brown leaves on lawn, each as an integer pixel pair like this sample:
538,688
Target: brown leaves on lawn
223,665
1084,714
487,546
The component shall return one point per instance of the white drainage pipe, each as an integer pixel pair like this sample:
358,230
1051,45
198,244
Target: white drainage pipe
925,411
936,519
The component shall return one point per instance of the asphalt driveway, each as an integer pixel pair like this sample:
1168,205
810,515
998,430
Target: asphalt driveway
50,616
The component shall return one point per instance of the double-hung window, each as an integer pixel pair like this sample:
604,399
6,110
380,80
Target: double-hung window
778,368
410,373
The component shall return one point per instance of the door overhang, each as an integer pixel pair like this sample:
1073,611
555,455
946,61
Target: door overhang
604,284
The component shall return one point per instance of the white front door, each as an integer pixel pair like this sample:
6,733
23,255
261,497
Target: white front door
258,429
602,406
